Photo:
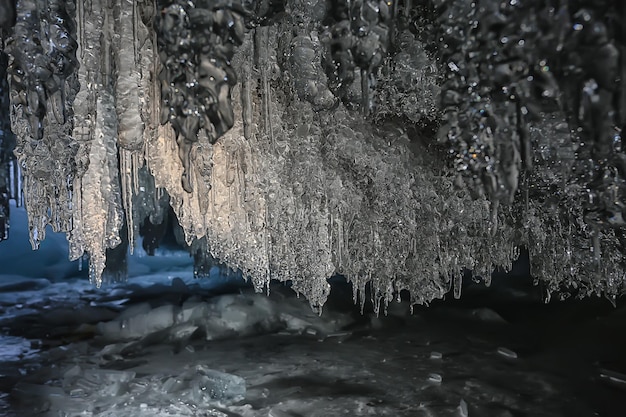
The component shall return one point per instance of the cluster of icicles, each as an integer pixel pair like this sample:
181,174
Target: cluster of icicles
247,119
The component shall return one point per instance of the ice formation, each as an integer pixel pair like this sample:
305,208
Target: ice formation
392,142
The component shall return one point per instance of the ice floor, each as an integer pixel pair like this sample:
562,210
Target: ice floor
165,344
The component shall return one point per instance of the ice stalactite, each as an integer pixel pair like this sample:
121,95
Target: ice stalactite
7,14
43,85
7,143
545,92
484,125
98,215
102,216
135,102
357,40
116,111
305,194
150,210
196,44
540,58
305,55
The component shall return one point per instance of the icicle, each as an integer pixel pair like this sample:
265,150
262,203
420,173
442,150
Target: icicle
246,103
129,105
595,241
494,217
365,92
128,177
340,243
102,208
547,296
262,52
458,284
407,7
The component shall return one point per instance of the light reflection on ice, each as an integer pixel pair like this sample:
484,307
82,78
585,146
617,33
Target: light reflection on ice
13,349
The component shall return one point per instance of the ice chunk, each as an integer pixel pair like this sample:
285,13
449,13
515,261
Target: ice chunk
77,392
139,325
242,315
192,310
276,412
72,371
182,331
209,386
108,382
174,385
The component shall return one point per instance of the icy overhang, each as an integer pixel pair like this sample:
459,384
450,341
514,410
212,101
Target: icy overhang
296,140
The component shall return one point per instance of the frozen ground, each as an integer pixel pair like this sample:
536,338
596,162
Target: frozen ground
164,344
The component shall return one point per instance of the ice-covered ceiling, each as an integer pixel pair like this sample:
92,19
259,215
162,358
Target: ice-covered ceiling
393,142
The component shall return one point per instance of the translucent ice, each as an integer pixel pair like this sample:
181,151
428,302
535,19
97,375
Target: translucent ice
208,385
106,382
139,324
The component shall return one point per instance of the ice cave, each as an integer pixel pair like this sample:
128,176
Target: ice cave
311,208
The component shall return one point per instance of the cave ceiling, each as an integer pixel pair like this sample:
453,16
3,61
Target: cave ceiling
396,143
